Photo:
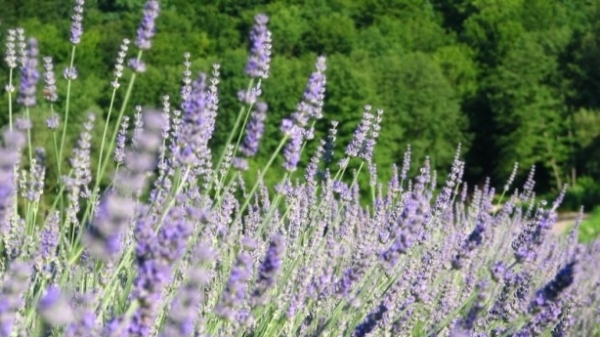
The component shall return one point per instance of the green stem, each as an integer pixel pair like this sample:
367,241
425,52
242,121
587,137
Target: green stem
110,108
241,115
10,110
66,121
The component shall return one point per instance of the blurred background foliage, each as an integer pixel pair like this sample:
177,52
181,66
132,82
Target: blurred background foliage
511,80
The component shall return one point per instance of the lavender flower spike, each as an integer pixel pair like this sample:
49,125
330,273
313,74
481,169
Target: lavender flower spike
29,75
235,289
314,96
254,130
260,55
15,285
76,27
9,156
147,28
49,80
269,268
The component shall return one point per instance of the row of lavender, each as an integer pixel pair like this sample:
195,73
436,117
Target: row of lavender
179,244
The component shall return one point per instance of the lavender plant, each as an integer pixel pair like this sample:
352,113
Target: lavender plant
179,244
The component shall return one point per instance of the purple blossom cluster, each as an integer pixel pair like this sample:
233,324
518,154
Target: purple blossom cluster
175,245
29,75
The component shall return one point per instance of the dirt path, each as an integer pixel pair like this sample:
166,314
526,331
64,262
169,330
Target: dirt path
565,221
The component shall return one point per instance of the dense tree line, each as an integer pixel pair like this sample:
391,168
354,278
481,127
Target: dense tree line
511,80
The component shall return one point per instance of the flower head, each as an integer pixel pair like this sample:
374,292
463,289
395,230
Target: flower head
254,130
76,26
260,54
147,27
49,81
29,75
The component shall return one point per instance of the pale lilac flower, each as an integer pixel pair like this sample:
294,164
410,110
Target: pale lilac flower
198,126
9,157
254,130
37,173
16,283
360,134
49,80
104,235
405,163
11,55
183,313
268,269
23,124
511,179
120,142
186,88
137,66
249,96
70,73
235,290
240,163
29,76
53,122
22,46
368,147
76,26
119,64
147,27
313,98
329,143
291,152
54,307
84,320
138,124
260,53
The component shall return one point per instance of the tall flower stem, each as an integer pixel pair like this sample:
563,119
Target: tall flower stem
242,115
10,110
103,166
66,121
103,142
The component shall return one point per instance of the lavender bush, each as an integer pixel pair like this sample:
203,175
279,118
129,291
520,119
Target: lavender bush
179,244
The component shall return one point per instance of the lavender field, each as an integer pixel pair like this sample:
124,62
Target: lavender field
180,242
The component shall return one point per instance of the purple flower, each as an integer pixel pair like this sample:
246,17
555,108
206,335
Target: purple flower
260,54
29,75
119,64
76,26
254,130
49,80
70,73
53,122
11,55
49,236
104,235
12,292
360,135
371,321
198,126
291,152
147,27
119,154
235,290
9,157
527,244
54,308
269,268
313,98
552,290
137,66
183,312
